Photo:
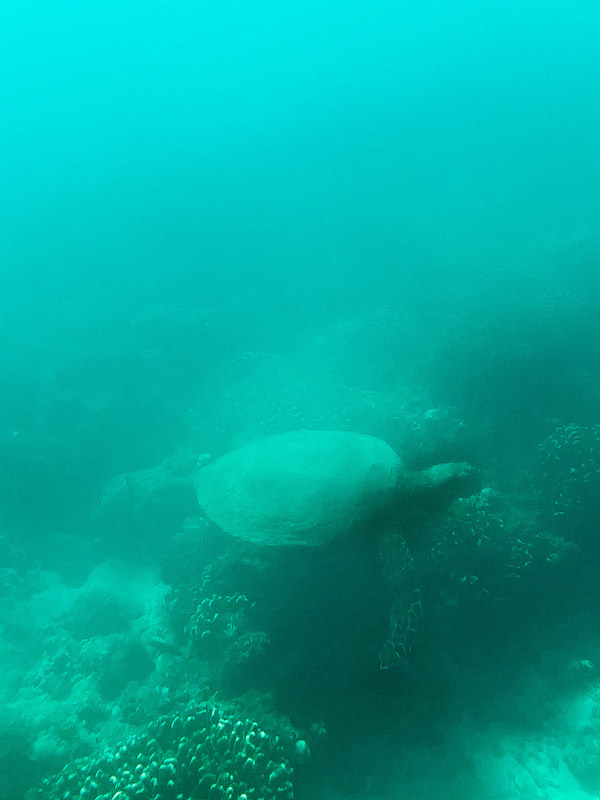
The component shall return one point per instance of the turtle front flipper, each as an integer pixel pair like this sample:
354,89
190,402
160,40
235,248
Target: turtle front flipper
400,575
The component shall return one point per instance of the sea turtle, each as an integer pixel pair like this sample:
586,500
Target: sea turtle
309,488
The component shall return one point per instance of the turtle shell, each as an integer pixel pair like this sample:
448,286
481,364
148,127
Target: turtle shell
299,488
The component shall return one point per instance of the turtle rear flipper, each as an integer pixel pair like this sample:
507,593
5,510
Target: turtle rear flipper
400,575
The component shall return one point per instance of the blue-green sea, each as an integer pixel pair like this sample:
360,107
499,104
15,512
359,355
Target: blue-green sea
299,400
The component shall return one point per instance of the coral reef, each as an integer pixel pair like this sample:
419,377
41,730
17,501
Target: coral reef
97,655
75,659
477,554
203,753
311,630
215,626
216,622
568,479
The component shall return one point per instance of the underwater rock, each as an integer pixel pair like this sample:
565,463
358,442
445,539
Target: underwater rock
190,550
149,505
127,662
98,613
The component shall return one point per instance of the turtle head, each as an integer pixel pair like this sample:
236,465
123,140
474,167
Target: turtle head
440,483
457,472
455,479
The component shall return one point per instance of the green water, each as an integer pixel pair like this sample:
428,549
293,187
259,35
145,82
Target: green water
203,148
225,220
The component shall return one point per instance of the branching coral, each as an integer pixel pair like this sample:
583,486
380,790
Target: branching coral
204,754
